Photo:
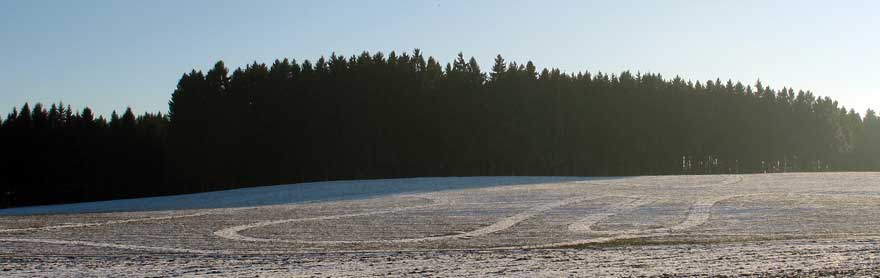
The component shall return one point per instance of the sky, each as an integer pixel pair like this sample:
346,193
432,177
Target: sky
109,55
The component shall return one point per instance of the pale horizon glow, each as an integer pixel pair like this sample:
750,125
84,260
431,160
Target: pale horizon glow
112,54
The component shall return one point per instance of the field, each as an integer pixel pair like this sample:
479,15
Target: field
799,224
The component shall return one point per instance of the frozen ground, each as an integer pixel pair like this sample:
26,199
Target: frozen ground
823,224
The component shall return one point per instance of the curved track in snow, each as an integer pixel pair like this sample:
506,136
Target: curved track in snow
697,214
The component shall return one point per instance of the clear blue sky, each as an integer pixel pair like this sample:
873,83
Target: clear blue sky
113,54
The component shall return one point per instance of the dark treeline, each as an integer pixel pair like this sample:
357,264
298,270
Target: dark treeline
378,116
61,155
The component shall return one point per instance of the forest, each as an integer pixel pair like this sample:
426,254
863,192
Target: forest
374,115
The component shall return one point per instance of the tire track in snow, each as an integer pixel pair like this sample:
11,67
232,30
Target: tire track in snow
132,247
233,233
585,225
698,217
695,221
698,214
111,222
110,245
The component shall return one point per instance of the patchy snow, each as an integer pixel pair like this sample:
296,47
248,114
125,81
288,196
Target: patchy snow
287,194
789,225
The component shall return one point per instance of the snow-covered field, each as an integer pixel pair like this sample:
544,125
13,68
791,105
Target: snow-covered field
778,225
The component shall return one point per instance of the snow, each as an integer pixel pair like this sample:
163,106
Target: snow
768,225
287,194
